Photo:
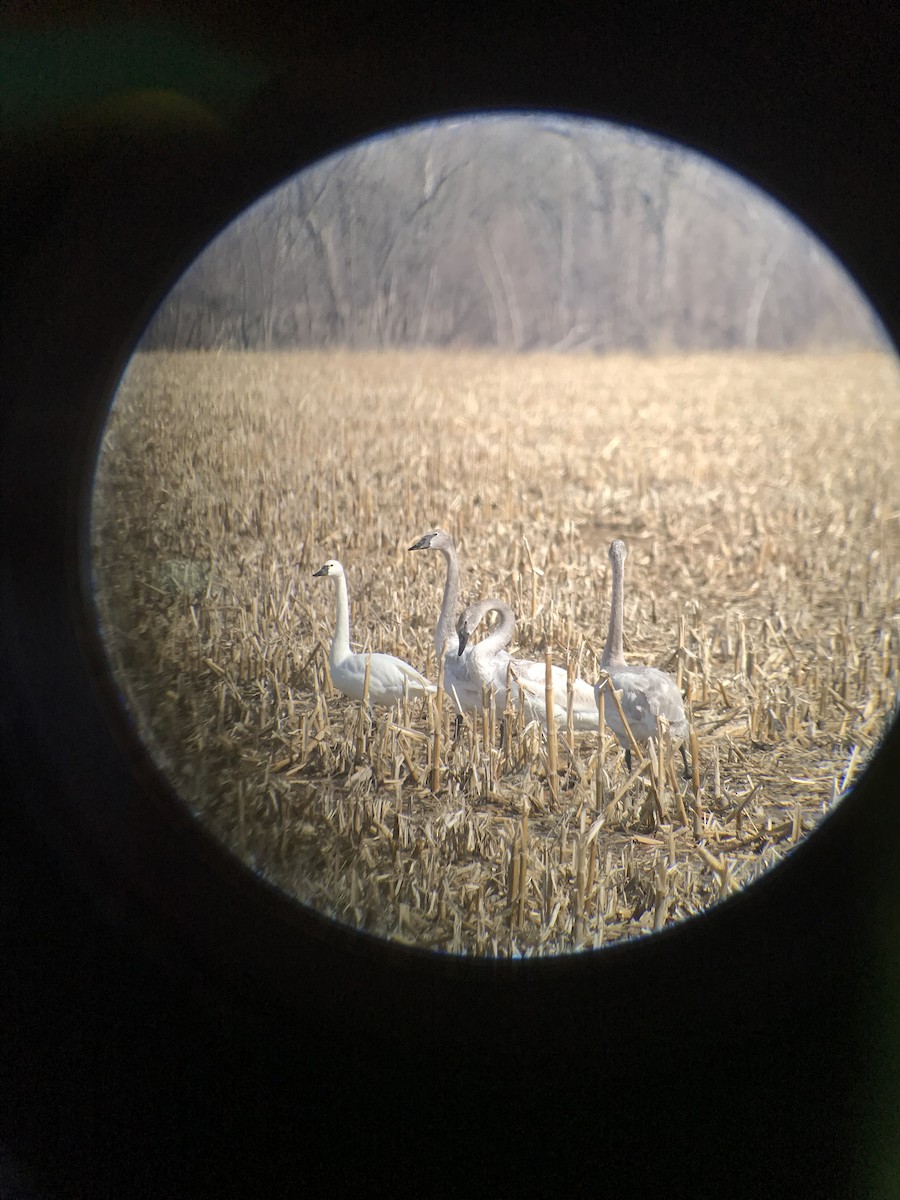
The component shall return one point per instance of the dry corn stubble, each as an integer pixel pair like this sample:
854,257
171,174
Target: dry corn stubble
763,563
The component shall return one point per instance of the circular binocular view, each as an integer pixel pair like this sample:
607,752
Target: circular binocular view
495,535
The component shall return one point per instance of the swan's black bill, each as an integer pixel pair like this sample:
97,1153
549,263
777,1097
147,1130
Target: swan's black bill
422,544
321,571
463,638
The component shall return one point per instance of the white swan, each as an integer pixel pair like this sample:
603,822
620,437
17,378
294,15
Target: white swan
389,677
459,682
646,693
491,665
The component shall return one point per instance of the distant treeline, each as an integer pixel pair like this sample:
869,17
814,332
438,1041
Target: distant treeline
520,233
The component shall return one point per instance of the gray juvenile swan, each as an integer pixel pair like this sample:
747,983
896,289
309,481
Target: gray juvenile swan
491,664
459,682
646,692
389,677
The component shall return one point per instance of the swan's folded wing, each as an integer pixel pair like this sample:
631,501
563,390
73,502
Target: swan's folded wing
409,672
532,676
647,695
584,696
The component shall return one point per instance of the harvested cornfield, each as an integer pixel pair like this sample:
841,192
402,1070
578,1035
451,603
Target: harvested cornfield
758,499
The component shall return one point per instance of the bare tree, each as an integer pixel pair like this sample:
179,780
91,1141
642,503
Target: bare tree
515,232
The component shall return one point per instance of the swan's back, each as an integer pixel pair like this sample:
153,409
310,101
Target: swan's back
646,693
389,678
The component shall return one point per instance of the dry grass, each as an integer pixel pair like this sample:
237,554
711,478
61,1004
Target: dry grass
758,498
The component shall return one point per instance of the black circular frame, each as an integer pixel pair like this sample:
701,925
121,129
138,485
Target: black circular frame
116,885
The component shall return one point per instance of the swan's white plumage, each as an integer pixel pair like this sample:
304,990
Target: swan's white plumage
492,666
646,692
390,678
486,662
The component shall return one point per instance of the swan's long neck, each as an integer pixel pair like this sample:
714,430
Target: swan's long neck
445,635
612,651
502,633
340,643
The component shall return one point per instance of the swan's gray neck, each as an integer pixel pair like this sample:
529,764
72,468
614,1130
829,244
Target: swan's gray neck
502,633
613,655
446,639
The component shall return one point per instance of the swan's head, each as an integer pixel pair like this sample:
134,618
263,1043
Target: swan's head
435,539
332,567
618,551
472,616
465,626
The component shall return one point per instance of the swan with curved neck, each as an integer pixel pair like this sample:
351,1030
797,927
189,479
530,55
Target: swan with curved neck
646,692
491,664
390,678
487,661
